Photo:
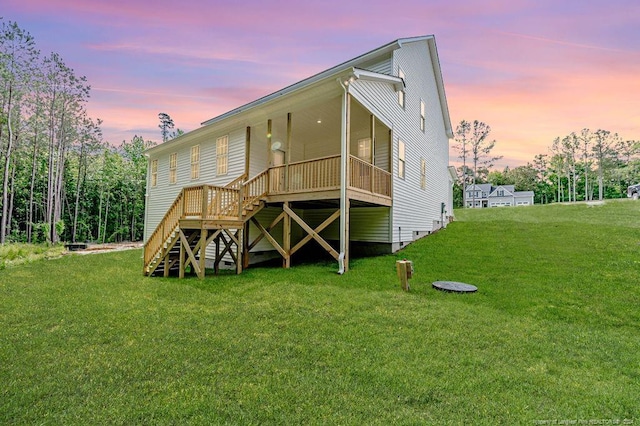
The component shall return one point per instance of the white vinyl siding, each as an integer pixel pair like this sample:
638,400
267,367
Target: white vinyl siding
195,162
222,155
173,165
161,197
366,224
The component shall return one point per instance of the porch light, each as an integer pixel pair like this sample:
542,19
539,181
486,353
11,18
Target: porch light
319,121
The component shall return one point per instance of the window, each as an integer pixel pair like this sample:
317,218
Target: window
173,162
500,193
222,155
401,94
154,173
422,121
423,173
364,149
401,163
195,162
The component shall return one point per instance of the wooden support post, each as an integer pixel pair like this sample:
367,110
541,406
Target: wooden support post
247,150
288,154
240,200
166,264
216,262
286,238
245,244
239,244
311,232
205,201
203,252
182,265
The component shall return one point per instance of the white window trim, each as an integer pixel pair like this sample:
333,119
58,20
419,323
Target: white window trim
222,158
402,94
154,173
402,163
422,116
195,165
173,168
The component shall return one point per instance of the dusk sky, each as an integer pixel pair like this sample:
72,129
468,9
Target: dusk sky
531,69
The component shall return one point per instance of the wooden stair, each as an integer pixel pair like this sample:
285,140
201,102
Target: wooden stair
178,239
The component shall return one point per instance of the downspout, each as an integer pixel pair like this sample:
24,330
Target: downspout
344,157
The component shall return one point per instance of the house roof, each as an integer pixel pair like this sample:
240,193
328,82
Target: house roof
509,189
352,65
348,69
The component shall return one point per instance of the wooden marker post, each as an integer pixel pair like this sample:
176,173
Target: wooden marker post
404,268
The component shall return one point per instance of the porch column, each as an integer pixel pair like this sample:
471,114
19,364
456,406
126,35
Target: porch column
344,177
372,134
269,143
288,154
247,151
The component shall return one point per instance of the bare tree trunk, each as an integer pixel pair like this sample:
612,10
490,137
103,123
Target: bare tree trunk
5,180
34,164
11,197
106,218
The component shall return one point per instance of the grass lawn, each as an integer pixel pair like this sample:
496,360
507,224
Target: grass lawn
552,335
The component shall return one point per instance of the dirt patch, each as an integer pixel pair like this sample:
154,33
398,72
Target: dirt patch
106,248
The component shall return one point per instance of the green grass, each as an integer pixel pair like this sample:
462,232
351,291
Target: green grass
552,334
18,253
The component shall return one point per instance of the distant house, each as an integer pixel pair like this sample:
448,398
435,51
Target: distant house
486,195
355,157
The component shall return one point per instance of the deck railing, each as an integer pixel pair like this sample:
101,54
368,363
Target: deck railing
165,228
369,178
215,202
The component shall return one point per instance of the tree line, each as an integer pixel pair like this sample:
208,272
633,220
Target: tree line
60,180
580,166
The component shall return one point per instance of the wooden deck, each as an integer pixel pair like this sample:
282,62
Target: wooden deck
206,213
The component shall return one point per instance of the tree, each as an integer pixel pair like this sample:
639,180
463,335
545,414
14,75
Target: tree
16,71
479,148
166,124
462,133
603,150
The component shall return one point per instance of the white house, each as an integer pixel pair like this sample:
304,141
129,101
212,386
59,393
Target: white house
486,195
353,158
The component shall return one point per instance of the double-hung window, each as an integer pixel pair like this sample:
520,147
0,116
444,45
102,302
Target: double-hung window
222,155
423,173
364,150
154,173
173,164
401,93
195,162
401,161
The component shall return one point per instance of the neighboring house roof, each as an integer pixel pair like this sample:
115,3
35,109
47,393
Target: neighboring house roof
523,194
485,187
508,191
